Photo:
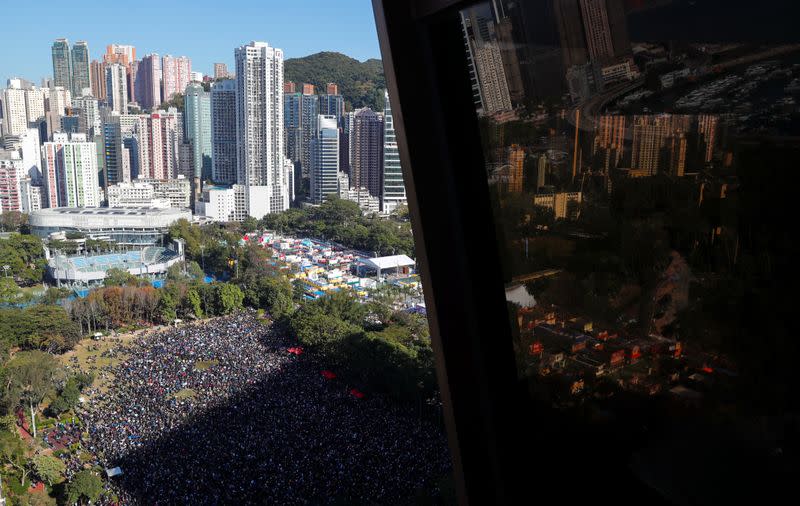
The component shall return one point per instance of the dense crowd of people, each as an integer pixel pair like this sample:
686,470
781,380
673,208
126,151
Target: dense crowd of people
221,412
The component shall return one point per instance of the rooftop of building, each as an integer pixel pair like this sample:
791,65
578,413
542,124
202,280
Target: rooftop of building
109,211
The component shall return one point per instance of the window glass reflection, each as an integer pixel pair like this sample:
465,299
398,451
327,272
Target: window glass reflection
640,156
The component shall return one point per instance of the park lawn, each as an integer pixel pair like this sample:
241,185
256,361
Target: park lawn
202,365
90,349
186,393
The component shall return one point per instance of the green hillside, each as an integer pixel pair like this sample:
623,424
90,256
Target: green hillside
361,83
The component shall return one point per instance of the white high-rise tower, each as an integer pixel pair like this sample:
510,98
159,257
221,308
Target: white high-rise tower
259,128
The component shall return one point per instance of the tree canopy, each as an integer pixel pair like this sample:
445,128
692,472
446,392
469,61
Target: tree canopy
360,83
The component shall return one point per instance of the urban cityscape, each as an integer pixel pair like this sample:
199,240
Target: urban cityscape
221,258
211,292
629,178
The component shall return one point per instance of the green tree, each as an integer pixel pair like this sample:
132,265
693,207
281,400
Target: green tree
360,83
9,291
249,225
29,376
229,298
119,277
12,452
48,469
195,303
84,488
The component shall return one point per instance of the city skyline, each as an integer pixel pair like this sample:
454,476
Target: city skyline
27,45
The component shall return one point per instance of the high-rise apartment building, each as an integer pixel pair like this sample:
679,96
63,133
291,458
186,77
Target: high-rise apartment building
325,159
220,71
148,82
34,103
597,30
197,122
309,112
177,73
120,148
98,77
609,142
62,64
332,104
124,55
332,89
660,144
88,111
159,136
120,53
259,118
11,172
81,72
308,89
393,193
15,112
366,145
70,171
289,87
117,88
223,132
707,128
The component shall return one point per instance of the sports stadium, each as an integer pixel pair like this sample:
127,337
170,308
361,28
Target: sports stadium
150,262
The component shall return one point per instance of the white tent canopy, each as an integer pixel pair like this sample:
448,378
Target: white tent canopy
379,264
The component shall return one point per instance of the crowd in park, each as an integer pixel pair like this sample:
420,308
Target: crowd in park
232,411
252,390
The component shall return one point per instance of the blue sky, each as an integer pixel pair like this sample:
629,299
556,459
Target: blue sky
207,31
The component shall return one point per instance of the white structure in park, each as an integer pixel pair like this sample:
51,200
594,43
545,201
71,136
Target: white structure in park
394,264
87,270
137,226
259,128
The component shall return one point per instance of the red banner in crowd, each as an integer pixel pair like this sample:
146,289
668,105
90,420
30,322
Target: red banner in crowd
357,393
328,375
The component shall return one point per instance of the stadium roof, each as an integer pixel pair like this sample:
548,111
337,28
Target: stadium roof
389,262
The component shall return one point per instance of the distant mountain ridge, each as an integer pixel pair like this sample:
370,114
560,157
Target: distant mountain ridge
361,83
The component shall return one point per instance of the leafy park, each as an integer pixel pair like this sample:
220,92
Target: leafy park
49,360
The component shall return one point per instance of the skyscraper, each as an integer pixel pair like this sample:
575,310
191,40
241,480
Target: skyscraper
70,172
88,112
148,82
98,78
332,103
117,88
117,130
34,103
486,60
62,64
309,112
159,137
124,55
597,29
176,75
197,122
325,159
259,119
220,71
10,170
394,190
81,73
223,131
366,144
15,115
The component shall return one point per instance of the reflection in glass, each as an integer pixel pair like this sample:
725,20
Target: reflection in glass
640,188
